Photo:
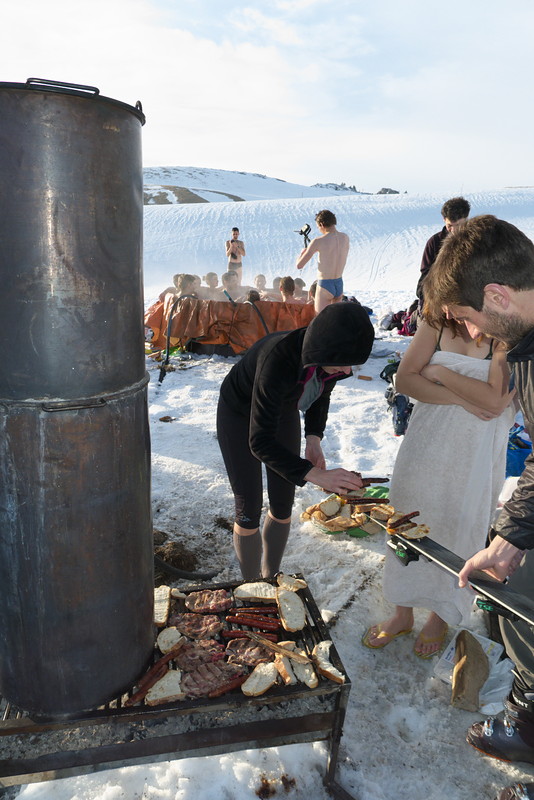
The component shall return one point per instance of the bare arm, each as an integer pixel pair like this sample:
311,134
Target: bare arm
492,395
306,254
409,379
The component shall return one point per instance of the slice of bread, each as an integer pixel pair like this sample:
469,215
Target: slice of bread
162,604
168,638
255,590
166,690
304,673
331,505
291,610
262,677
321,657
290,583
283,665
381,512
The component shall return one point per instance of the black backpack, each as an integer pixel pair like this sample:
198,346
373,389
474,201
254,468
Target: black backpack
399,404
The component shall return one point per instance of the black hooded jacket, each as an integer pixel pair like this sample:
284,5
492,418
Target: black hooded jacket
267,382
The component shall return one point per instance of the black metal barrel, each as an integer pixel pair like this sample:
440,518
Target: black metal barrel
76,560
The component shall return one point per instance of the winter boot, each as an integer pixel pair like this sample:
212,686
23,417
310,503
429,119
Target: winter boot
509,739
519,791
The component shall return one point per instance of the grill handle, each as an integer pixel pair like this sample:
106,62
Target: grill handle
61,85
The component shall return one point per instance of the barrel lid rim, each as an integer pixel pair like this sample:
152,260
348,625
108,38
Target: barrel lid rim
76,92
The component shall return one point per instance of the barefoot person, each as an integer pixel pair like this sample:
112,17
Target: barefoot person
235,252
484,277
332,248
258,422
458,429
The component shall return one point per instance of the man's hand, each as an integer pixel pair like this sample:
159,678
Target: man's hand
337,480
500,560
314,452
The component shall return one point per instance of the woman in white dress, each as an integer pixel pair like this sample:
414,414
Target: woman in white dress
450,467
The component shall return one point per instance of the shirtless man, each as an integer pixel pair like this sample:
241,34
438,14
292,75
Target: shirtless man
332,248
235,251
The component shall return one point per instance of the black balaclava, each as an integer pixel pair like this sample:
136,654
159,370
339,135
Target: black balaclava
341,335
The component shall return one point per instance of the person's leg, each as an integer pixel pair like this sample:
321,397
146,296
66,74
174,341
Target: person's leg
400,622
281,496
323,298
244,474
431,637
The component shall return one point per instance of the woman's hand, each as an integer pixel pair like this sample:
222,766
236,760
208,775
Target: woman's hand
314,452
481,413
337,480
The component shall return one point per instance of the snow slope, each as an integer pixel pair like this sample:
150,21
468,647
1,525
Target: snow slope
219,185
387,232
402,740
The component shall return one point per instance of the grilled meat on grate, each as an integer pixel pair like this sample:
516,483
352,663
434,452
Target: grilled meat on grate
213,601
244,651
196,626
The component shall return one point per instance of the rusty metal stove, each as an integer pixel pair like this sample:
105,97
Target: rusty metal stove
114,736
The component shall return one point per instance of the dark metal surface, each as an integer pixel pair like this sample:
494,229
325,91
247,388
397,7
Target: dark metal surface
71,205
76,561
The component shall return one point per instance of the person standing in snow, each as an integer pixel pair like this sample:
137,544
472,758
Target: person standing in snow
454,212
235,252
258,422
484,277
332,248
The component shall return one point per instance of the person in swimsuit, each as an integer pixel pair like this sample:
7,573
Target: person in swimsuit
332,248
235,252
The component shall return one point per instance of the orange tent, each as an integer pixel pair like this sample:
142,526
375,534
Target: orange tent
213,322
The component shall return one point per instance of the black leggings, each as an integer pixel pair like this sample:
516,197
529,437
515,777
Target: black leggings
244,469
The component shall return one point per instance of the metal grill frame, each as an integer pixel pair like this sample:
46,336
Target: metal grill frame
17,729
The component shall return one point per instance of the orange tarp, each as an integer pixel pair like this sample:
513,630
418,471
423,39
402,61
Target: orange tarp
221,323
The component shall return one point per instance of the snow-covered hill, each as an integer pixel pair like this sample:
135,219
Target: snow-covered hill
164,185
387,232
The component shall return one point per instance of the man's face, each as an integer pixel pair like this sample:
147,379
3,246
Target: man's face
452,227
260,282
235,235
231,282
506,327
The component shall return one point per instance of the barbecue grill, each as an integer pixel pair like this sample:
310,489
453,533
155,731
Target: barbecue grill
38,749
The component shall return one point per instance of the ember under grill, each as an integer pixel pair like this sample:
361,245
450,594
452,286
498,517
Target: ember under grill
115,736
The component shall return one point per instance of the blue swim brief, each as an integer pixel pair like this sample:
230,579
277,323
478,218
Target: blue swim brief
332,285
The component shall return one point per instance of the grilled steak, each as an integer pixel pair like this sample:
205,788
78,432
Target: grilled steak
203,651
196,626
247,652
212,601
208,678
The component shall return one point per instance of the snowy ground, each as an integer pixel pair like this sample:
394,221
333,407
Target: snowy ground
402,740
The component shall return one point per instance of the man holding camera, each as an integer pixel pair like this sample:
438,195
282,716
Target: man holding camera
332,248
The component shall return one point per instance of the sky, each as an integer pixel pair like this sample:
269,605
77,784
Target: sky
415,95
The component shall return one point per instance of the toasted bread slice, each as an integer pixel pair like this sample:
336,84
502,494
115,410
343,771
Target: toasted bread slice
283,665
304,673
291,610
290,583
162,604
256,590
262,677
381,512
321,657
166,690
168,638
331,505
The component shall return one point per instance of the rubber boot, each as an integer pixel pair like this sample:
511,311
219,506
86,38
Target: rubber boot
248,552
